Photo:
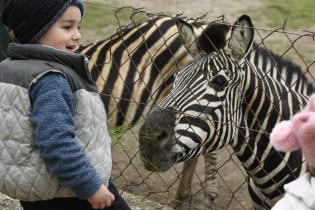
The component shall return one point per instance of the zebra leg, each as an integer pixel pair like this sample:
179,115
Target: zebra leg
259,199
184,189
211,184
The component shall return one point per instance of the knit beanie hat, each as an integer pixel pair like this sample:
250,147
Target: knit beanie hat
29,20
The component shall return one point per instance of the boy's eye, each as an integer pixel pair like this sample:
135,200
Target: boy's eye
67,27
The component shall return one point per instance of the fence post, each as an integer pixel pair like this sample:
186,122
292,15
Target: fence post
4,40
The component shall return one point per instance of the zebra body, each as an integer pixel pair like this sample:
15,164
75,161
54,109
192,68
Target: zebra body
230,95
134,69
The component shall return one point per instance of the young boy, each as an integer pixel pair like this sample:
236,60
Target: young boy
54,143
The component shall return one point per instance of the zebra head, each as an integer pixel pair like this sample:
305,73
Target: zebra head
200,113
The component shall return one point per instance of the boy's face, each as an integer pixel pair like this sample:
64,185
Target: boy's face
64,33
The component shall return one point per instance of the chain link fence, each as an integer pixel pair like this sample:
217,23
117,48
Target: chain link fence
128,171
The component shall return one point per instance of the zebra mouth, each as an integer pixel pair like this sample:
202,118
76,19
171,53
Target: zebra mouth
156,141
159,161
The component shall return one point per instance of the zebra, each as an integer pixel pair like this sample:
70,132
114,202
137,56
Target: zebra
134,69
232,93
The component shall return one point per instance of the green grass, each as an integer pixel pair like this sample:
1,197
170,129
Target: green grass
101,21
118,130
273,13
119,142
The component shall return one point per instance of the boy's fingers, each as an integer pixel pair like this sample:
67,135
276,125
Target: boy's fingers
108,202
99,205
103,205
112,197
95,206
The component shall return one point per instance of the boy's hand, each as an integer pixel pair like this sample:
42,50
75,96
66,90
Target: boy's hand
101,198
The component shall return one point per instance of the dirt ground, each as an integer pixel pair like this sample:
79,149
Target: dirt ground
128,172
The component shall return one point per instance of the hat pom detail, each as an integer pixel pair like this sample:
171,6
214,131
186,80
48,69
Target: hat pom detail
282,137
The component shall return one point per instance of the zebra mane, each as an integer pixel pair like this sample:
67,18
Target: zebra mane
283,64
124,29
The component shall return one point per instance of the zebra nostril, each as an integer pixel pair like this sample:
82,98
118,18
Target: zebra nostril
162,136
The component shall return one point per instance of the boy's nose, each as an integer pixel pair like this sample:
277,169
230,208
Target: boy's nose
77,35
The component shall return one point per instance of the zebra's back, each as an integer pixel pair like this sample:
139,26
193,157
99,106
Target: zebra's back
134,68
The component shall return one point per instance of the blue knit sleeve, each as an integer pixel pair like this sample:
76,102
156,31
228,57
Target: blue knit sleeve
52,116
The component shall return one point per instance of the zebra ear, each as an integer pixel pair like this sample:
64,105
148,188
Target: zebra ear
242,35
187,36
210,40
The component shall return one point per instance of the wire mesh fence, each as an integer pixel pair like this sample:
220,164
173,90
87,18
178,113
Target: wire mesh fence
134,67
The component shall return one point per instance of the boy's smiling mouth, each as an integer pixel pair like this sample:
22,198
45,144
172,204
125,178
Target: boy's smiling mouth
71,47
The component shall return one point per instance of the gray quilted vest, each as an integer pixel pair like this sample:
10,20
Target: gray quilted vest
23,174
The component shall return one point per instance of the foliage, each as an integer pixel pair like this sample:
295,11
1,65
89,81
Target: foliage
116,133
118,130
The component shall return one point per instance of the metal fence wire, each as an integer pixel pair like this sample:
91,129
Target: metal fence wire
133,63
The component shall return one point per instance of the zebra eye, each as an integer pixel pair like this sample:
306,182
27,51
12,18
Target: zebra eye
218,83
